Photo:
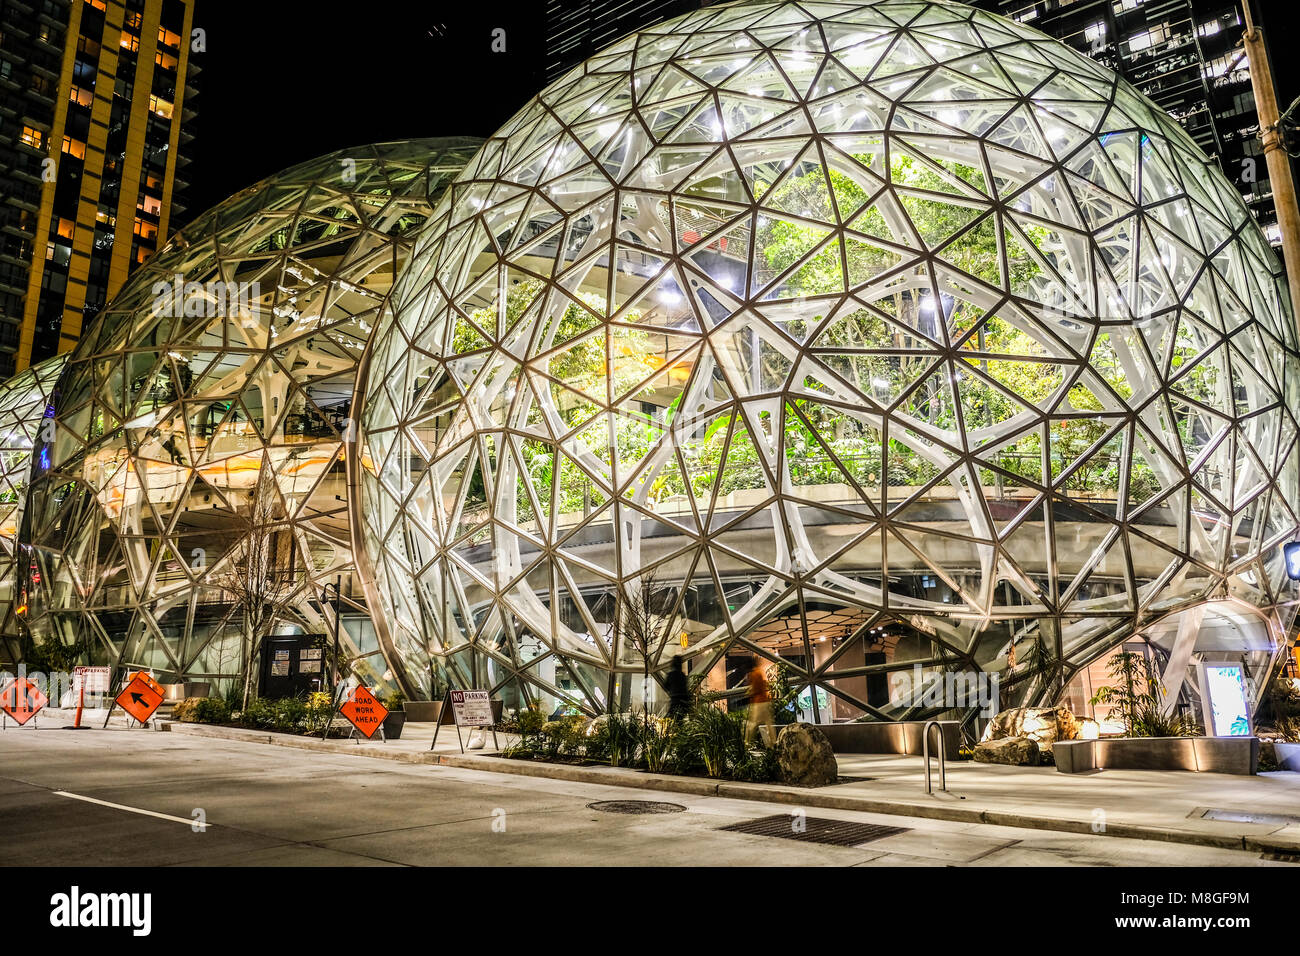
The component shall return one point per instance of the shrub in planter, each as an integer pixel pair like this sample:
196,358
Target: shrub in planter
658,743
713,739
289,714
531,722
258,714
202,710
184,710
551,737
759,766
623,738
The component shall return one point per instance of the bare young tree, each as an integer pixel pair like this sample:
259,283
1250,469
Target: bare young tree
639,622
260,577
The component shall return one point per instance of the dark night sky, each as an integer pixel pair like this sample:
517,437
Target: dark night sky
284,81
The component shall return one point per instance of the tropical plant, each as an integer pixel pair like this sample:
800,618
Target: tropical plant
715,738
657,744
1137,698
622,738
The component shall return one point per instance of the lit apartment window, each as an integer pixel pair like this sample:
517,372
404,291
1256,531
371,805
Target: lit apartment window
145,230
65,228
160,106
1123,6
98,5
1149,38
1095,33
1209,29
169,38
33,137
151,205
82,96
130,42
165,60
74,147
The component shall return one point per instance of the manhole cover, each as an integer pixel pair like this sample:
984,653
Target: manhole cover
635,806
789,826
1248,816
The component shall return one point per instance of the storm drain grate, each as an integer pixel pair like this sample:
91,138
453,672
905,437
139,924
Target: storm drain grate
790,826
1281,857
635,806
1249,816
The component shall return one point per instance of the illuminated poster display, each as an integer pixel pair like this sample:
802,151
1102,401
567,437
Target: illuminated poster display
1225,690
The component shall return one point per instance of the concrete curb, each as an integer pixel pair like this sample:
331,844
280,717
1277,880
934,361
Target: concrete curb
767,793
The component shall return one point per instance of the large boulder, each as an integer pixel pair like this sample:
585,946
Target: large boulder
804,756
1043,725
1016,751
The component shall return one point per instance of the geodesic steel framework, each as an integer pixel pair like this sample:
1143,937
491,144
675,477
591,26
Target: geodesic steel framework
194,498
24,408
880,335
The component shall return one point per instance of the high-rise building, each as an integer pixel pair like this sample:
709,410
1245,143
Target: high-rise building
93,105
1184,54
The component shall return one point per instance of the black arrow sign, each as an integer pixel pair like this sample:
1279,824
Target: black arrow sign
137,698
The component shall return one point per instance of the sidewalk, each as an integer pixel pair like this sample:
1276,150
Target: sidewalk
1139,804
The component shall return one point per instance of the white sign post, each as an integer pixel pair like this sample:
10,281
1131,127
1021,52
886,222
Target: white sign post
469,708
95,681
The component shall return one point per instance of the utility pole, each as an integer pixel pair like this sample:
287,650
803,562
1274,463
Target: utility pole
1275,154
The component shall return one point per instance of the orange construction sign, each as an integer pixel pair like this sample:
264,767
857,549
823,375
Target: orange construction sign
364,712
139,699
22,700
147,678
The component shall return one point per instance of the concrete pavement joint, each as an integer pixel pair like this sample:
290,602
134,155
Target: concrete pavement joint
625,777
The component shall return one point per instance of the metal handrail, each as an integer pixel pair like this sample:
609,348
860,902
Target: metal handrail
925,750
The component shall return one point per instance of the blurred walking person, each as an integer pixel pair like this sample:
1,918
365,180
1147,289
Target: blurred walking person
760,700
679,691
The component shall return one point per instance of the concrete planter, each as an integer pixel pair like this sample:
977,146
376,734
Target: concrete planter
422,711
430,711
883,737
393,724
1237,755
1288,756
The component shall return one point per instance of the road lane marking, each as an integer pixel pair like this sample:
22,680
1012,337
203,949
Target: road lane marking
118,806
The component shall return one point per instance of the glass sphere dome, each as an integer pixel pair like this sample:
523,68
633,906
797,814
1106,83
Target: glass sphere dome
877,339
193,501
25,406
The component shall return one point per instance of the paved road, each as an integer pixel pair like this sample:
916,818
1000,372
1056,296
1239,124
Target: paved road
268,806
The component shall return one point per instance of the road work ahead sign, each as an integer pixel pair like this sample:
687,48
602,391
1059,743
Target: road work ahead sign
364,712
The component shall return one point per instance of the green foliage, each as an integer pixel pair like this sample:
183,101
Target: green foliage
1137,698
529,724
708,740
291,715
622,738
50,656
713,738
202,710
758,766
783,694
658,744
